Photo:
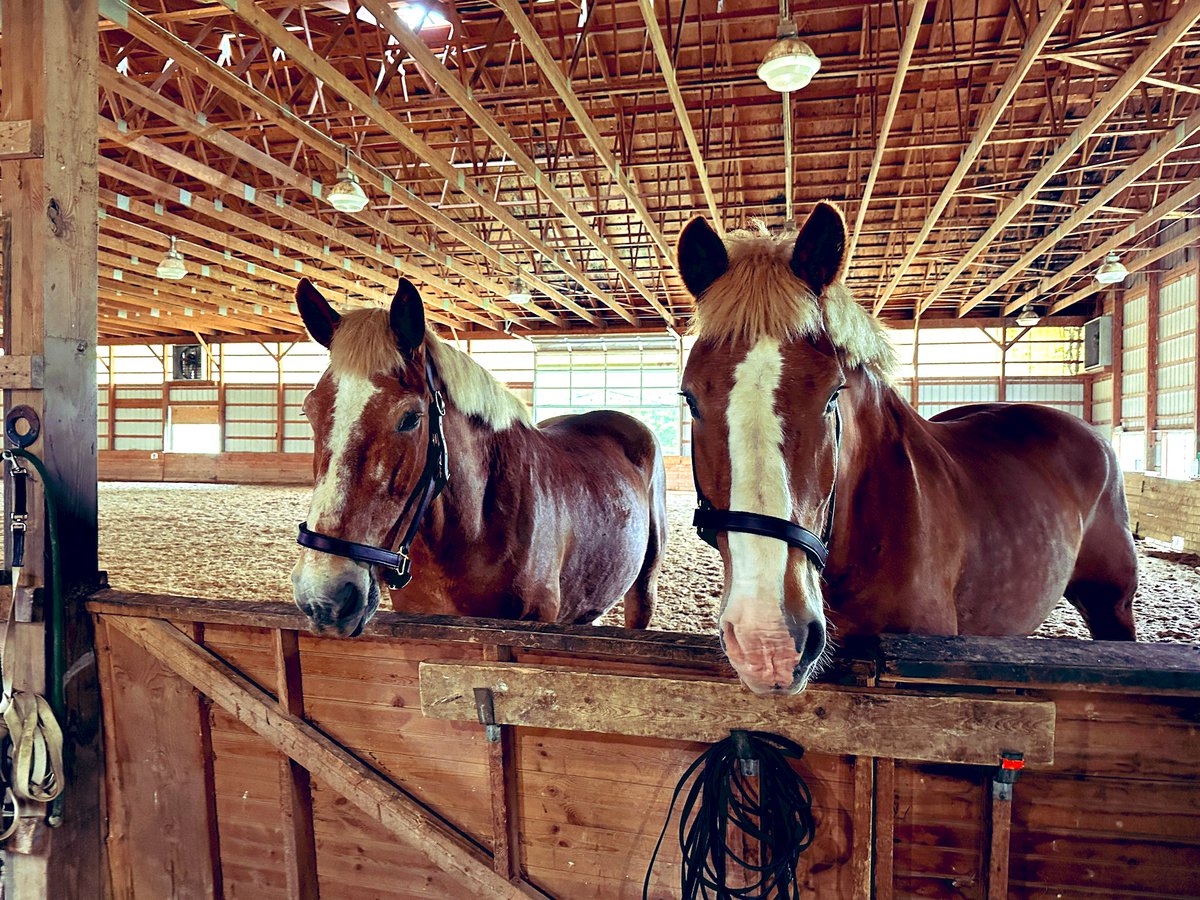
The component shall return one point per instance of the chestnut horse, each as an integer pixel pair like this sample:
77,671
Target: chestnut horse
976,522
554,524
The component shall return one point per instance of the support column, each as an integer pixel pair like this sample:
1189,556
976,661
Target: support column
1151,370
49,70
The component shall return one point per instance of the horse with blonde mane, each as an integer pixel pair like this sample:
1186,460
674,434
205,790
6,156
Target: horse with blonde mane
428,468
835,506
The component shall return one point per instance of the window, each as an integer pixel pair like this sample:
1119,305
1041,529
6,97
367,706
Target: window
1131,450
638,376
1176,452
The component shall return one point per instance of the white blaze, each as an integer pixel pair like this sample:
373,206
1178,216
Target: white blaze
759,483
352,394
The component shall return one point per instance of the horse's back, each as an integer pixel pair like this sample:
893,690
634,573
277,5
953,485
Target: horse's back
633,437
1034,438
1041,492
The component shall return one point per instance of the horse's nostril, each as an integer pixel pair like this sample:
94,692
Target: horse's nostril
811,644
347,598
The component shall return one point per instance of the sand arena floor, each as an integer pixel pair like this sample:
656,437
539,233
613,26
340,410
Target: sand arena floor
238,542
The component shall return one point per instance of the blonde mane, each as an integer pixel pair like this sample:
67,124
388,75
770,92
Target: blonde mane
364,345
759,296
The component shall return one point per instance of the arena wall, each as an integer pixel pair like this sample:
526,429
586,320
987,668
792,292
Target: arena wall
1165,509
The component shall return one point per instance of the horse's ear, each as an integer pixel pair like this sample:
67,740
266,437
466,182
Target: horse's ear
319,317
819,256
407,317
702,256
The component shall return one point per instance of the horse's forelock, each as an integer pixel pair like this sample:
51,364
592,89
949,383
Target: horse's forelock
364,345
760,297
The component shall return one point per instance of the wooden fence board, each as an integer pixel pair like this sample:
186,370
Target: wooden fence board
825,720
329,763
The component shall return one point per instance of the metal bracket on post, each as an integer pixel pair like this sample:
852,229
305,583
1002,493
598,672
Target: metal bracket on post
486,710
1011,764
747,761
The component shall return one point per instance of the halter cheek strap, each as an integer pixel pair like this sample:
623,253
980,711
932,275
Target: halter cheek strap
434,476
710,521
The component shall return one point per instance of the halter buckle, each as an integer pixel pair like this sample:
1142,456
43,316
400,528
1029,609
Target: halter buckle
401,575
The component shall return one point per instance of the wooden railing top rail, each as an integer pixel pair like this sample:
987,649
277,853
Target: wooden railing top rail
1009,661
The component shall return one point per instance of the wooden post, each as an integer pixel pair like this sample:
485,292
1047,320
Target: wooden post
1002,392
862,848
49,71
295,785
1151,369
1118,355
883,876
916,379
502,779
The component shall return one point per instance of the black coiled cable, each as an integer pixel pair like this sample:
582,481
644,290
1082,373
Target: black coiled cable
774,815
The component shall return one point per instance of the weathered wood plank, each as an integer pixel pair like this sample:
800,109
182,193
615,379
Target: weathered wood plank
327,761
824,720
883,877
295,789
20,139
21,373
159,842
1163,667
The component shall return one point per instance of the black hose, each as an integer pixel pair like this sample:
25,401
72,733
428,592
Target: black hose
773,810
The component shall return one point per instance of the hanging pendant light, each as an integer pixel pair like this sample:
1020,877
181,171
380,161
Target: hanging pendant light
790,64
1029,316
348,195
1112,271
518,294
172,267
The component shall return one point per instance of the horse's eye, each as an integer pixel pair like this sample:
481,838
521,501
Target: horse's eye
833,399
410,421
691,402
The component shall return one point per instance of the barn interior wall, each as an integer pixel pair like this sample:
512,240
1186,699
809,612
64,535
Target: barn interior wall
1147,400
244,419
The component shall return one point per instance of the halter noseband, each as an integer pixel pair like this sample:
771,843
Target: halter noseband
397,565
709,521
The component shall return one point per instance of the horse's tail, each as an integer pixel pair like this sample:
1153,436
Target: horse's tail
640,599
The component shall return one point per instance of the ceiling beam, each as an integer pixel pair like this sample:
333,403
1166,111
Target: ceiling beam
196,63
276,205
1029,54
1162,44
885,127
1188,239
543,182
561,83
239,149
1164,210
304,56
682,115
1153,155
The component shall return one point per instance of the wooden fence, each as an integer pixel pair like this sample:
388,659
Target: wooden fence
247,758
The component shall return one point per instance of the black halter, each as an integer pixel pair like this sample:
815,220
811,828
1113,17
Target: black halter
397,565
709,520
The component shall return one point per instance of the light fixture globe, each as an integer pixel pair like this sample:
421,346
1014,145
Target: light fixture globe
1112,271
1029,316
172,267
790,64
347,195
518,294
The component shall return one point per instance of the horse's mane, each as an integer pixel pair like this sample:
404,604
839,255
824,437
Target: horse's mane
364,345
759,296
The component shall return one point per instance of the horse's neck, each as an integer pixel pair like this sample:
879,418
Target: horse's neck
475,453
878,433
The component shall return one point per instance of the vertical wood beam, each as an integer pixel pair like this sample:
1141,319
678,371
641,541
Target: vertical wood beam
502,782
862,825
1151,369
999,841
49,74
295,785
1118,351
885,127
883,872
